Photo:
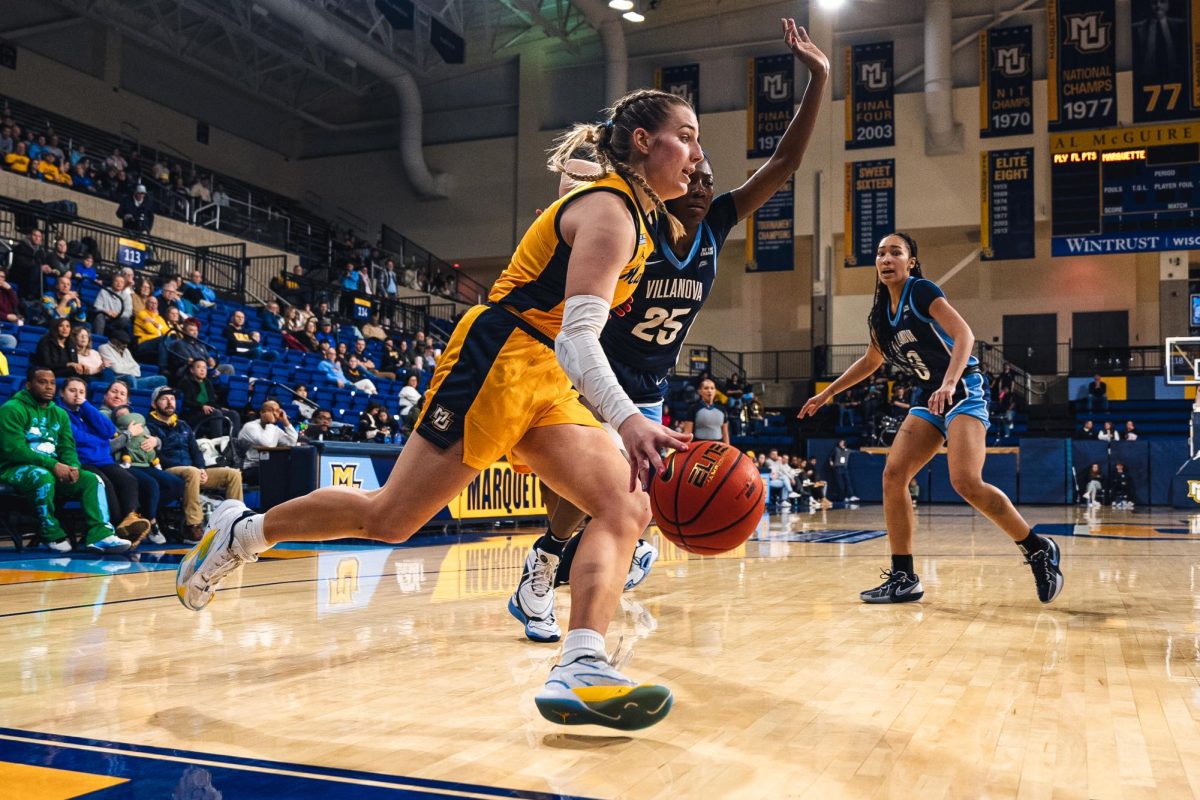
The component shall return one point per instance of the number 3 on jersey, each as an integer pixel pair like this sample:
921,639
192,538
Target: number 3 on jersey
918,365
667,323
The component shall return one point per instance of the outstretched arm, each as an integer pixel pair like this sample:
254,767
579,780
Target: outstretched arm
858,372
751,195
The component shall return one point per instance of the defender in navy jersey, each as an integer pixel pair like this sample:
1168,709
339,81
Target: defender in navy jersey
643,338
916,330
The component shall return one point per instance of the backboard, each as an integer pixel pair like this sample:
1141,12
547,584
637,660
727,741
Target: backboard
1182,360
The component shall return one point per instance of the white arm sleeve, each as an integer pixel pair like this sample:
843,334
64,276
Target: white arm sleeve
577,347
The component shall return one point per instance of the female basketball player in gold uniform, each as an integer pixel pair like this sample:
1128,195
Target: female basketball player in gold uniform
504,387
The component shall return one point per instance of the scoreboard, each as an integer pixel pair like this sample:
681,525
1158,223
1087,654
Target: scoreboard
1125,190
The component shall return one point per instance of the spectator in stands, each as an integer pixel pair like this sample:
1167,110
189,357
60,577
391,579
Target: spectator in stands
58,258
354,373
38,147
271,429
83,179
308,337
900,406
156,487
360,349
30,262
322,429
80,155
169,297
373,330
1005,407
326,335
38,459
10,306
1097,395
84,269
1121,488
56,150
93,433
18,161
1088,431
200,191
175,322
220,197
160,173
331,370
196,291
179,201
1130,432
375,425
63,303
181,456
150,329
56,352
143,289
94,365
781,471
124,366
1108,434
272,320
706,419
183,351
393,360
387,282
245,343
116,161
113,308
136,212
201,404
48,170
410,395
6,139
293,320
1094,486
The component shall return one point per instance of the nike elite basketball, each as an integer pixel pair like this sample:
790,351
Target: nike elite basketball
708,499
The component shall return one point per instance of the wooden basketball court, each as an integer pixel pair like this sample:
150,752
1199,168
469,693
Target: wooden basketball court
351,671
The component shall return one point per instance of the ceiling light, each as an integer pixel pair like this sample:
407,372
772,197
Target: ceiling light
621,5
831,5
634,16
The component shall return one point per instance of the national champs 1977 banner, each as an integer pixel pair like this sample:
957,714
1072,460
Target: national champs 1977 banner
1081,64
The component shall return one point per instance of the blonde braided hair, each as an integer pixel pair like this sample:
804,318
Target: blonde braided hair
612,142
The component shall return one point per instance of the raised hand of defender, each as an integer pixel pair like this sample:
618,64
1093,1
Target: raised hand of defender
803,48
643,440
813,405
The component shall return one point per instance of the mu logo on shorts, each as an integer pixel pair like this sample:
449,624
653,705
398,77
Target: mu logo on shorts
874,75
1012,62
442,418
345,475
1087,32
1194,491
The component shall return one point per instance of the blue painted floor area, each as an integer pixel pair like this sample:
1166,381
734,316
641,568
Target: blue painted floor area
1136,531
156,772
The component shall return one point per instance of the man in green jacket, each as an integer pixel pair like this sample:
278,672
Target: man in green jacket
38,459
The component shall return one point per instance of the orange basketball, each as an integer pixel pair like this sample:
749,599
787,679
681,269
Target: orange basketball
709,498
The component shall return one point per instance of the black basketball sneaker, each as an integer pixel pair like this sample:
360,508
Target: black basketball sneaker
1046,572
897,587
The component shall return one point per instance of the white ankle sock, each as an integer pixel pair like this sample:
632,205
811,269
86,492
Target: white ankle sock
248,535
582,642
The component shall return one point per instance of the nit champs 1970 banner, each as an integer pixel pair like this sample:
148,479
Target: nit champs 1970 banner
1006,81
682,81
771,101
1165,39
1081,64
870,101
1006,204
870,208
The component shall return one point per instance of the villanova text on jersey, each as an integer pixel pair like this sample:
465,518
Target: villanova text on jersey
915,342
644,343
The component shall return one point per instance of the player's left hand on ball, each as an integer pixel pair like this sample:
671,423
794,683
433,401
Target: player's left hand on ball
941,400
643,440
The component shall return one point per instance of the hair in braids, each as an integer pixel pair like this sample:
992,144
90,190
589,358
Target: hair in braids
612,141
877,319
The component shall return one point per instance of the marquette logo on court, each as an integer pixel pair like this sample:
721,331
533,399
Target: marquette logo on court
775,87
442,418
1087,32
704,469
1194,491
874,75
344,475
1012,62
343,587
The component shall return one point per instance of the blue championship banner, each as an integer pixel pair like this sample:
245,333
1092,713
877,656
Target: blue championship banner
870,96
1006,203
1006,81
870,208
770,245
770,95
683,81
1081,64
1166,59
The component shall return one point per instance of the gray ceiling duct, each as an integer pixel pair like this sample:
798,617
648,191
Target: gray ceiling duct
616,57
943,135
313,21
